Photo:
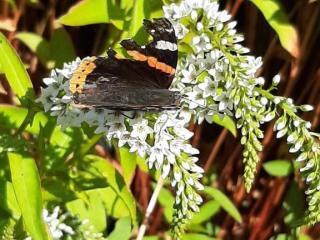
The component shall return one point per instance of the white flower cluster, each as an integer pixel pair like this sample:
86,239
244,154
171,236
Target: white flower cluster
205,75
217,76
59,228
56,225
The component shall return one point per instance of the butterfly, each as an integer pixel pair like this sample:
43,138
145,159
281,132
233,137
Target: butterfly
139,82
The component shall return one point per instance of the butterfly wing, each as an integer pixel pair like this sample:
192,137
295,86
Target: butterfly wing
98,80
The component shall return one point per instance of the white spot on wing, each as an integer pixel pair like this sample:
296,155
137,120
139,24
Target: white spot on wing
90,85
165,45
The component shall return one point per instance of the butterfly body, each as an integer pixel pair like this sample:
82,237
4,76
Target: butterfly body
140,82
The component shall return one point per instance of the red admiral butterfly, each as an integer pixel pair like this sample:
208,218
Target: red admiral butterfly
137,83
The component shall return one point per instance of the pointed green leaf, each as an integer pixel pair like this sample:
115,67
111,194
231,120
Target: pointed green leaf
275,15
278,168
8,199
26,184
207,210
61,48
227,123
224,202
37,44
86,12
14,70
138,14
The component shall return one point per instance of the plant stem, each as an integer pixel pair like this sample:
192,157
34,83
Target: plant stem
150,208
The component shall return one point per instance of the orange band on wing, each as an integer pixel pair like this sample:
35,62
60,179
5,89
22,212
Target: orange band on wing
152,62
78,78
137,56
164,68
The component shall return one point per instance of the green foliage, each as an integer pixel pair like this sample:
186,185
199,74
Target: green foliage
26,184
278,168
49,52
227,123
14,70
278,20
128,162
224,202
122,229
87,12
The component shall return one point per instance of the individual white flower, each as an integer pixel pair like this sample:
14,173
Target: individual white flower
189,75
185,114
141,130
202,43
157,155
225,102
176,146
124,138
180,30
195,59
181,131
165,170
208,87
276,79
141,147
116,129
212,12
46,97
196,98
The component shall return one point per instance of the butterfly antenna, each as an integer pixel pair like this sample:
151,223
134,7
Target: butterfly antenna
130,117
187,99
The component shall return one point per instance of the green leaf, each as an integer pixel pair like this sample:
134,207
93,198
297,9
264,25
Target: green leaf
14,70
138,15
86,12
26,184
151,238
193,236
166,200
96,210
61,48
227,123
17,116
8,199
278,168
207,210
37,44
224,202
122,229
278,20
128,163
118,189
91,207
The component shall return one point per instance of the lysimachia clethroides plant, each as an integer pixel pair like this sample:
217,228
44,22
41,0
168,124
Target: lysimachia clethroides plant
218,77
